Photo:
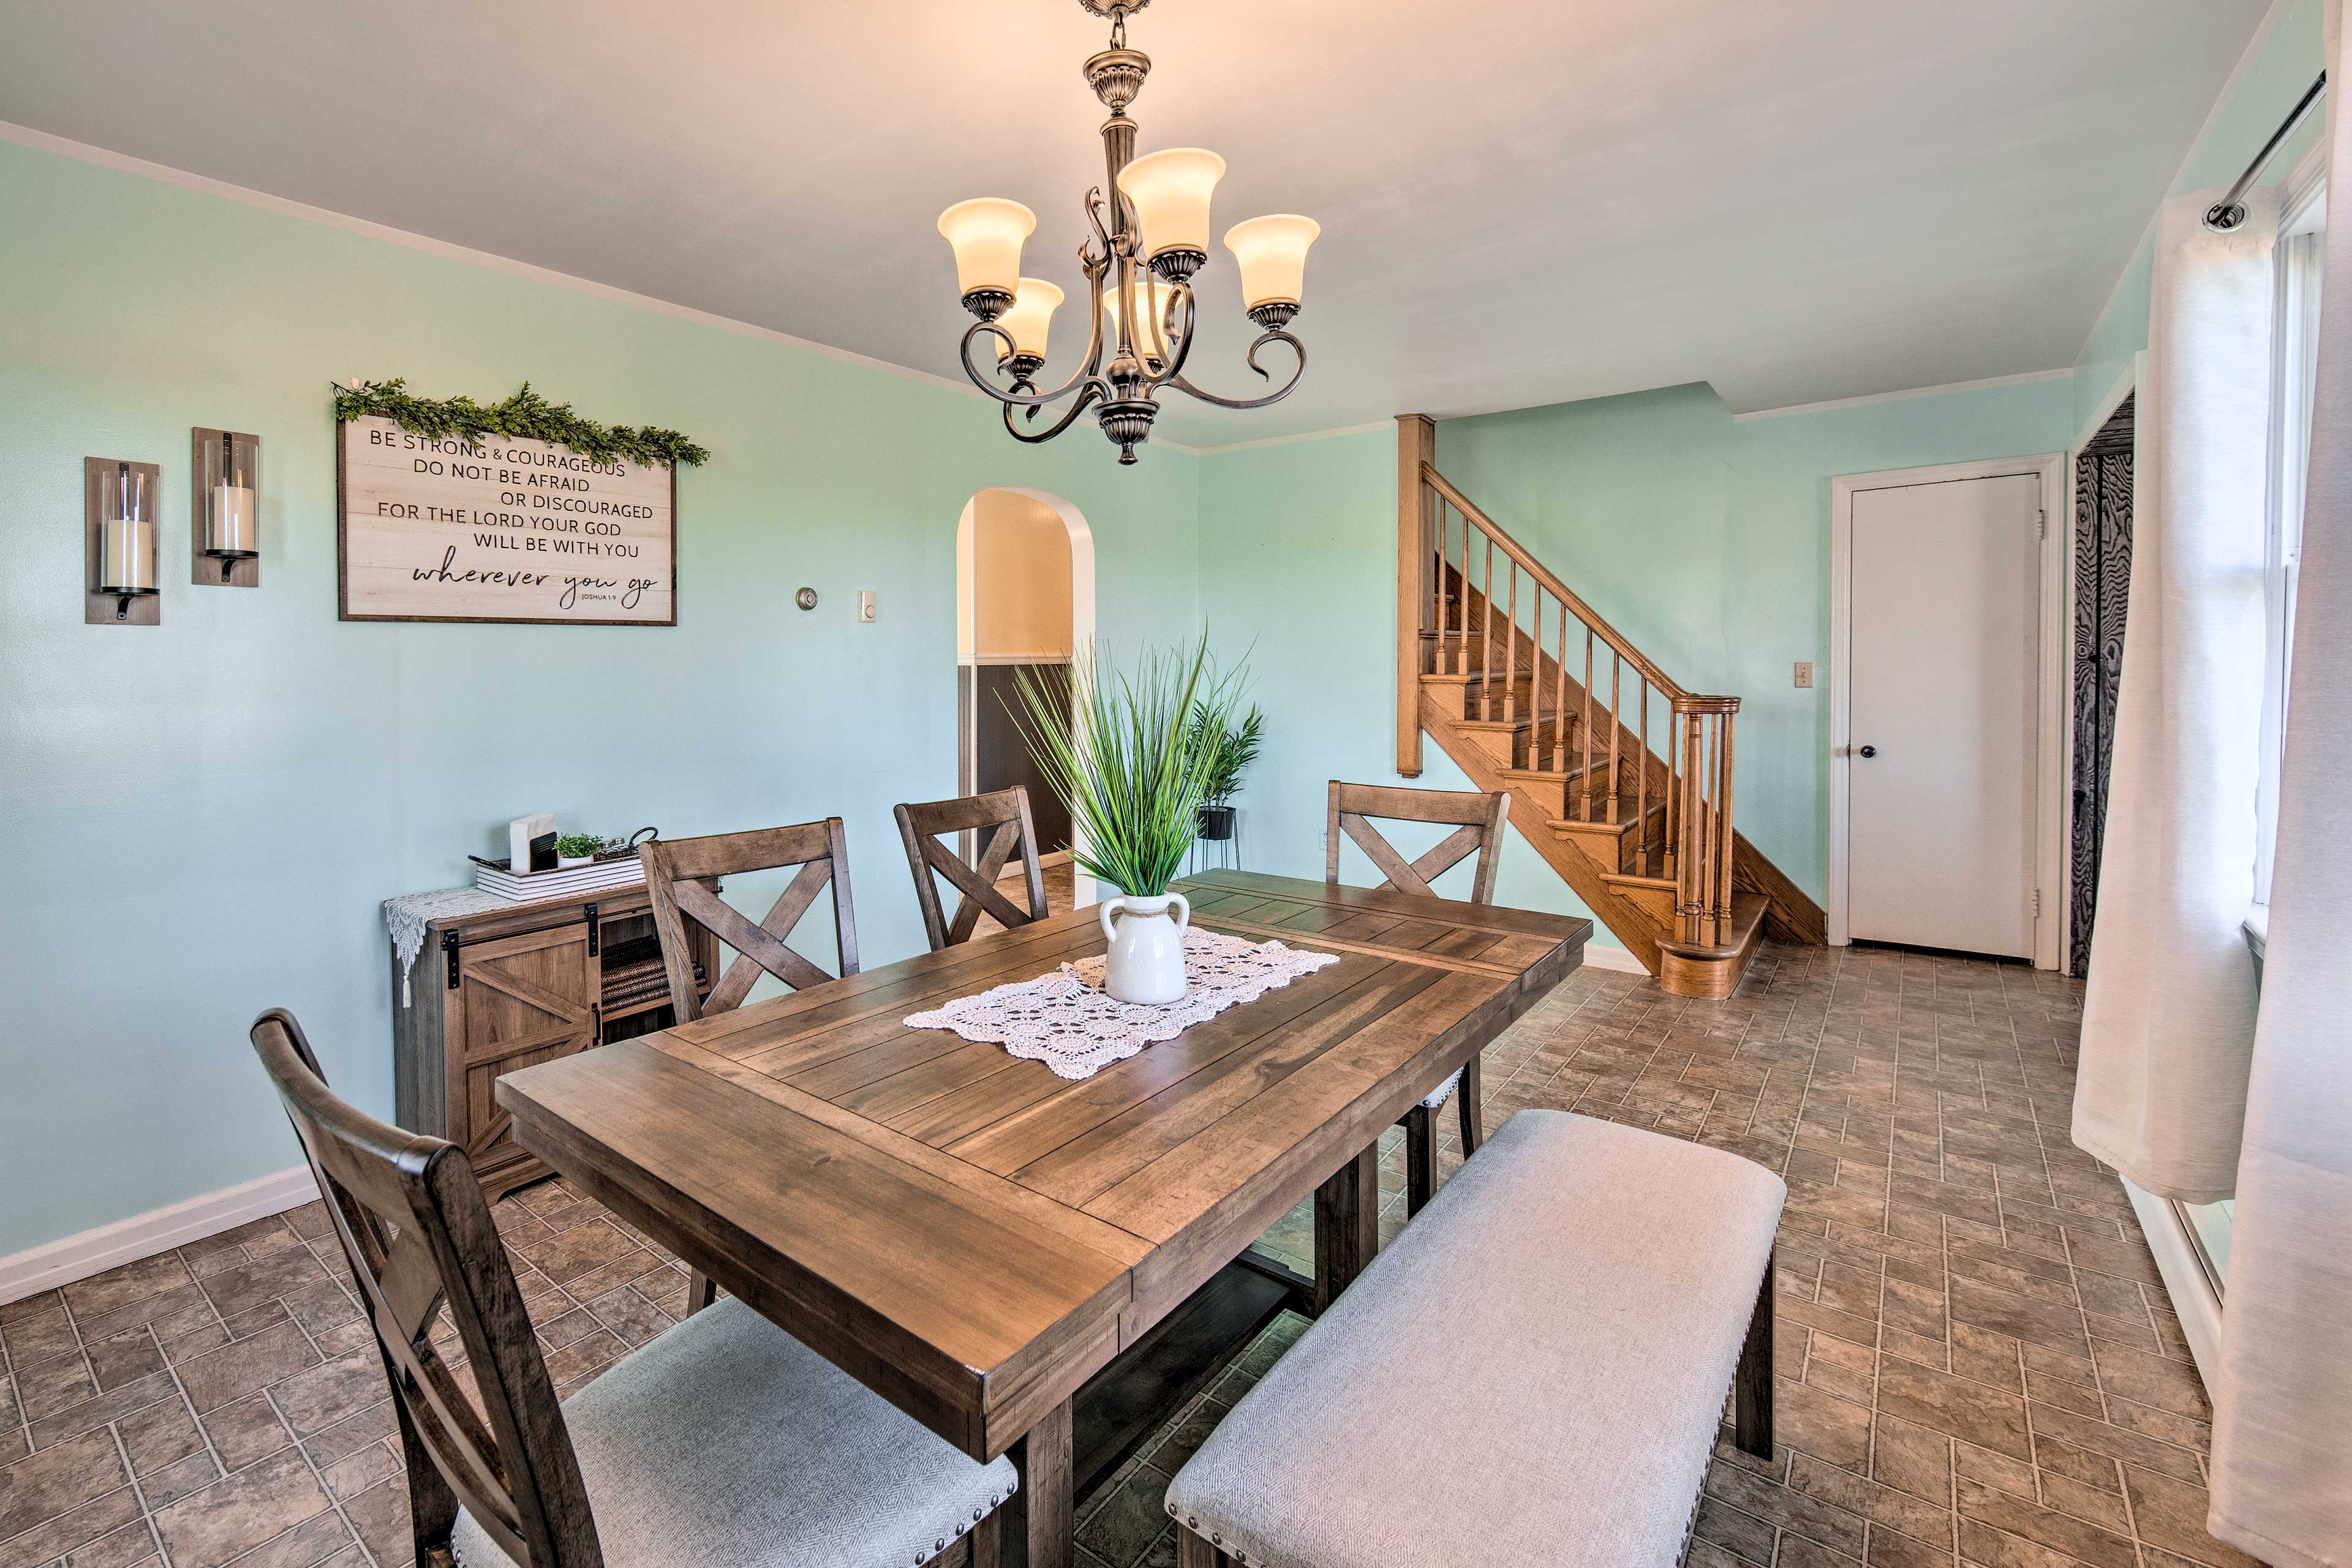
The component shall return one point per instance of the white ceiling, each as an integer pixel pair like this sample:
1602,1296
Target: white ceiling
1522,204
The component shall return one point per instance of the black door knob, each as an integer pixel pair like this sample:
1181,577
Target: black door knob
1870,750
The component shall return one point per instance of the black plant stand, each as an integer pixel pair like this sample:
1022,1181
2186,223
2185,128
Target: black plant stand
1213,849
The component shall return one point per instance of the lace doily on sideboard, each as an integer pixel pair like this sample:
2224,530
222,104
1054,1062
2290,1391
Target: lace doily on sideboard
1066,1020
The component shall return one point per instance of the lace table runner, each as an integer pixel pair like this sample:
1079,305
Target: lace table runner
1066,1020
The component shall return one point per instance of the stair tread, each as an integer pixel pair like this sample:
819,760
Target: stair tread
1626,816
1548,776
1748,912
1627,879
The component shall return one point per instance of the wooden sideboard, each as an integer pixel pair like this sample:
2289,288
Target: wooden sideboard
512,987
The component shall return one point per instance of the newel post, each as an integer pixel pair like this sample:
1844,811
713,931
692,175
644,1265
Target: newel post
1417,583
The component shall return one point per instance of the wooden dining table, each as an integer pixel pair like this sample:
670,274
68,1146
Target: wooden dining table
1023,1263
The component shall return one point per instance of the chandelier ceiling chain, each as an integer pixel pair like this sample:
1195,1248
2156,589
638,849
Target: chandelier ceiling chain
1149,237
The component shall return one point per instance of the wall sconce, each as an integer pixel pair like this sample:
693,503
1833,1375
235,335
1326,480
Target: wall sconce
119,525
225,509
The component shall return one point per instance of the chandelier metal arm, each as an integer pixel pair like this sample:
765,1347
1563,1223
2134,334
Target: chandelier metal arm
1173,360
1275,396
1088,395
1086,371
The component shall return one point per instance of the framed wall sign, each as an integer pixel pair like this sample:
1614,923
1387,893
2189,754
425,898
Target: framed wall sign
495,528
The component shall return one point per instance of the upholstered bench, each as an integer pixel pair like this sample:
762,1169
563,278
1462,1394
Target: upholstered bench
1534,1372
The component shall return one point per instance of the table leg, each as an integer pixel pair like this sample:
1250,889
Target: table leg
1347,1226
1040,1518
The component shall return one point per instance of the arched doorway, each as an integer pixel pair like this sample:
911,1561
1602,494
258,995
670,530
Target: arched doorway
1024,600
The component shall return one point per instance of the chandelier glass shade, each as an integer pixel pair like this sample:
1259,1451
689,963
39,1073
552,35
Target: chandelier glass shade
1150,236
1027,320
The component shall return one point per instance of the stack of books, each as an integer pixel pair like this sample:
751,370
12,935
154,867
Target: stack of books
494,878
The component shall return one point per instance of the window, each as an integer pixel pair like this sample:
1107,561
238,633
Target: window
2302,241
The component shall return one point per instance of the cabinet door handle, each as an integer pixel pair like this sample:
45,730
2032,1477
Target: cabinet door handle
595,1023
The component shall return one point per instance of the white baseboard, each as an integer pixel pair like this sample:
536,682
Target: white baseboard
2193,1297
1611,958
62,1262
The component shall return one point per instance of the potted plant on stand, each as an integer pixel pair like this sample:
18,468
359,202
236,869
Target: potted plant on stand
1125,767
1235,747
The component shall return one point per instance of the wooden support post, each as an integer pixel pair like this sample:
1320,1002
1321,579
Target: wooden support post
1416,444
1040,1526
1420,1159
1723,855
1347,1226
1752,1383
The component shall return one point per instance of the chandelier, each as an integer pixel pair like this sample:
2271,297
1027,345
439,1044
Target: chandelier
1150,237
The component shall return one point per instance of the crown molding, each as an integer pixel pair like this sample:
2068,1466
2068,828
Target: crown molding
1987,384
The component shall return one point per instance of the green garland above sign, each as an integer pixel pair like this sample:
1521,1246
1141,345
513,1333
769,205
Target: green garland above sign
524,416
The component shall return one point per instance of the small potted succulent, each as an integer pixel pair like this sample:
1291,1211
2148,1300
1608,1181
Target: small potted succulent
577,849
1234,746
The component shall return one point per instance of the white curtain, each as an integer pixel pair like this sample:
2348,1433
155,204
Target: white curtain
2168,1011
2281,1457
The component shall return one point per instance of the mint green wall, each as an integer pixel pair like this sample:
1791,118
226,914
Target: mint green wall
1702,538
201,818
2274,82
203,815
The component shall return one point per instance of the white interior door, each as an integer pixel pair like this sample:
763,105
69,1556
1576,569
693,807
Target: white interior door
1943,713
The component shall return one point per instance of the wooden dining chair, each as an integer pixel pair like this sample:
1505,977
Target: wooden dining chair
1006,811
1477,822
681,874
722,1441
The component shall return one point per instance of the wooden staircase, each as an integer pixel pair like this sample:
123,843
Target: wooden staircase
1619,777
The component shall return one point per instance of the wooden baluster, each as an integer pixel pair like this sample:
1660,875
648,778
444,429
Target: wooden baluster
1584,780
1560,709
1666,843
1437,589
1715,821
1511,659
1461,612
1686,873
1535,748
1616,724
1641,788
1486,639
1724,845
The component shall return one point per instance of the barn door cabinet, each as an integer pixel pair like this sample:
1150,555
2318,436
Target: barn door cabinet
510,988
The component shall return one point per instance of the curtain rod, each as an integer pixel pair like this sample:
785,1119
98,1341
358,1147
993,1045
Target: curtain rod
2229,213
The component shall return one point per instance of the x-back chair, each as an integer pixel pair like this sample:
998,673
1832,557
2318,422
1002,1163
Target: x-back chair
1004,810
724,1443
1477,822
682,876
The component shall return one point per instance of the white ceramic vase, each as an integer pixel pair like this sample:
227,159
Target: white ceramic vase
1146,963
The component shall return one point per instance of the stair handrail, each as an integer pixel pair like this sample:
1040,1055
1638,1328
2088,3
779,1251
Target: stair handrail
1617,641
1699,842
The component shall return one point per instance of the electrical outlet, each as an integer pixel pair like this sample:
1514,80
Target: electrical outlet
1805,676
866,603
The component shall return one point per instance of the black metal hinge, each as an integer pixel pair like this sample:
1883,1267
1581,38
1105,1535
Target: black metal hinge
449,946
594,930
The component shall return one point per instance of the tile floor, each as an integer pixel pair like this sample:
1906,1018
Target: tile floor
1977,1363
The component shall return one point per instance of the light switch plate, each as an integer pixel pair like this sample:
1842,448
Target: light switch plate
1805,676
866,603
